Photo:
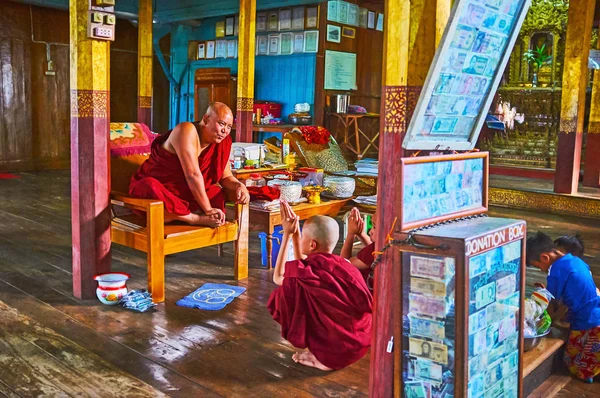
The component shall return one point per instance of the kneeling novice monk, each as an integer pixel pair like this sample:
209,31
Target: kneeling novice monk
185,166
323,303
570,281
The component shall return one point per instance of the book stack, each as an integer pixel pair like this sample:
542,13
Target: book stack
367,167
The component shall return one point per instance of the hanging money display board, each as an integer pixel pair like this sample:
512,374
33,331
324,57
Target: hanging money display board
462,294
465,74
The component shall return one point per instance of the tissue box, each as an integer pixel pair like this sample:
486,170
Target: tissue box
250,151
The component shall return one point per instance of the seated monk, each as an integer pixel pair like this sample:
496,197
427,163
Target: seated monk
364,258
322,302
185,166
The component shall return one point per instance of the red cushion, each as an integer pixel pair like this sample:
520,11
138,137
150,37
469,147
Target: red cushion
130,139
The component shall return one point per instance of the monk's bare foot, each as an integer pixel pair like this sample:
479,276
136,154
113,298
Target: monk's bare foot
195,219
306,358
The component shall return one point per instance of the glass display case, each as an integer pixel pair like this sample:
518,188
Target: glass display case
462,288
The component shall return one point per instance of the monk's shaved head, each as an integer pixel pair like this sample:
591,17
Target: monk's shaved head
323,230
218,109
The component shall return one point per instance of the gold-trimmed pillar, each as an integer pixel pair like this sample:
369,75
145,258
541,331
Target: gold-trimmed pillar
574,84
145,58
442,14
525,65
245,81
591,173
90,182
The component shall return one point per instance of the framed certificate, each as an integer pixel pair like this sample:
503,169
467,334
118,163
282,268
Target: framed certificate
286,43
210,49
229,26
262,45
220,29
298,18
201,50
285,19
236,28
273,22
371,20
379,26
311,41
261,22
464,75
342,12
362,17
352,14
221,49
312,17
298,43
332,10
231,48
273,44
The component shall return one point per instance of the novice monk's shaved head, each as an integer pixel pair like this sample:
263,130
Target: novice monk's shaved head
319,234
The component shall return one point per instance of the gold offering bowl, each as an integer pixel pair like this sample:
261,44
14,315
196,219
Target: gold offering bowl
313,193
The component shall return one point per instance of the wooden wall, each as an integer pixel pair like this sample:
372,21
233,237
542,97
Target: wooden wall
368,47
35,108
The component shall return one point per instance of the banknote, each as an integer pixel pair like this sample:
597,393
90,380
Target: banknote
428,349
428,370
494,373
478,265
424,305
476,386
485,295
427,286
508,326
427,327
495,391
444,125
512,251
506,286
496,353
510,364
513,301
427,267
478,364
492,335
477,321
477,343
415,389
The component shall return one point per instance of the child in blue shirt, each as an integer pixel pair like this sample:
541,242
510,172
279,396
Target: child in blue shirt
570,281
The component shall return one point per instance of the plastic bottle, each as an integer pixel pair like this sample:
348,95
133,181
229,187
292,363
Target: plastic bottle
255,180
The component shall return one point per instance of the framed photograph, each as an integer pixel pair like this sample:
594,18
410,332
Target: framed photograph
220,29
352,14
298,43
273,44
348,32
201,50
440,188
261,22
262,45
231,48
210,49
371,20
332,10
311,41
298,18
312,17
334,33
362,17
342,12
379,26
273,21
221,49
286,43
236,28
285,19
464,75
229,26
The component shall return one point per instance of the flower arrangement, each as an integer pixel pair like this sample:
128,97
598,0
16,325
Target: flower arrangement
315,135
538,57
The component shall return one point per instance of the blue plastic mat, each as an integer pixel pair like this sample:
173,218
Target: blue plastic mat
211,296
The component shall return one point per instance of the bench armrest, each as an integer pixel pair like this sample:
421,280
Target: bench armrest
120,199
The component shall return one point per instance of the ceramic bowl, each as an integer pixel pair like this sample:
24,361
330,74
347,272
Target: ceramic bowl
111,287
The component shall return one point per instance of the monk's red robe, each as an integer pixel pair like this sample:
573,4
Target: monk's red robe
161,177
366,256
324,305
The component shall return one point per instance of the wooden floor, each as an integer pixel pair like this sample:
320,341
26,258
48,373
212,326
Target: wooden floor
52,344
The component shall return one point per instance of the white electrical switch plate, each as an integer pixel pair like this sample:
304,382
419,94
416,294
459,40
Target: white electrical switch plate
105,33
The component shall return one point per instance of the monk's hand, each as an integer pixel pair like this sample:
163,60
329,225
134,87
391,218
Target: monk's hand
241,194
355,222
216,214
290,222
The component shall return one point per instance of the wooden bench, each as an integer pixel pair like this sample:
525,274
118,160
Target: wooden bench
151,235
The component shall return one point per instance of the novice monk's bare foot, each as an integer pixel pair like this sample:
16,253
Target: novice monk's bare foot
306,358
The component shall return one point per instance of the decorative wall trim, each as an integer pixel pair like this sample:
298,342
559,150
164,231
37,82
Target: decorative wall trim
245,104
400,103
145,101
89,103
568,126
548,202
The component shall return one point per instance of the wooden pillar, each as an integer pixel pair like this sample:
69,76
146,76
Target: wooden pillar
442,14
409,47
145,57
574,83
555,40
591,173
90,183
525,65
245,80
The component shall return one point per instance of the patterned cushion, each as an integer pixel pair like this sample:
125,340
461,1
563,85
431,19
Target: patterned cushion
130,139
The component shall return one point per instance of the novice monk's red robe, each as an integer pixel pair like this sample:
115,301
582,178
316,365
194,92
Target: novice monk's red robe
161,177
366,256
324,305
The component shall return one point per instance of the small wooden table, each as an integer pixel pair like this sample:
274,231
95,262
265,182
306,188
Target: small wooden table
265,220
349,119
